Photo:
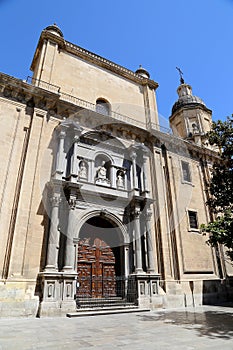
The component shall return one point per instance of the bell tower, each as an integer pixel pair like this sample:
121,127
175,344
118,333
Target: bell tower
190,118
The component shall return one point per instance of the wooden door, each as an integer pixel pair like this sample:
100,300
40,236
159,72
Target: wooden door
96,269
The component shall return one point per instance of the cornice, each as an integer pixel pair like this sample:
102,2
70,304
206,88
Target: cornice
181,146
189,107
91,57
109,65
7,81
18,91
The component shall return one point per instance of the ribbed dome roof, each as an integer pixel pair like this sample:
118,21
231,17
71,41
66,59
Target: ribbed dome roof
186,98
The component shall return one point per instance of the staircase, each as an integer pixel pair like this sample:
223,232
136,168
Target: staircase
104,306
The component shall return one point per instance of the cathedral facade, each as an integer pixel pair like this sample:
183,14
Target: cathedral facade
98,202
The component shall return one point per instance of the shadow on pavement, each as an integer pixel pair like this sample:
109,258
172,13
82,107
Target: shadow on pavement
213,324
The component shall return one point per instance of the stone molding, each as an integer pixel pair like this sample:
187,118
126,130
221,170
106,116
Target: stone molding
92,57
40,95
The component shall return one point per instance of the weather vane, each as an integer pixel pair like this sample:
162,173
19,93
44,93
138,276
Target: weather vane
181,75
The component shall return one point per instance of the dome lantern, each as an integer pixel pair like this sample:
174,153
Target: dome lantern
143,72
54,29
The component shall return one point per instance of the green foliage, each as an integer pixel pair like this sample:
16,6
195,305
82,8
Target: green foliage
221,187
221,231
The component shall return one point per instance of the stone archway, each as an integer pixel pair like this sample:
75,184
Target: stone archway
100,261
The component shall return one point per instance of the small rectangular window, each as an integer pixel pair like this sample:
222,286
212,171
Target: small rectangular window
193,219
186,171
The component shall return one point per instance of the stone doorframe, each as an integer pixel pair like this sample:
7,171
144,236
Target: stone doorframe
124,240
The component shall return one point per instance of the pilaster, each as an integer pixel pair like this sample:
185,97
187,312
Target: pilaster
149,243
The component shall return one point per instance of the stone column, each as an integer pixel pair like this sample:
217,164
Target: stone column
149,244
74,161
91,174
134,184
126,258
70,247
144,178
60,154
138,245
113,176
54,234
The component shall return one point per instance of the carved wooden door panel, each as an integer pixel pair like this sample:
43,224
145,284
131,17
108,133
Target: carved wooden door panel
84,280
96,269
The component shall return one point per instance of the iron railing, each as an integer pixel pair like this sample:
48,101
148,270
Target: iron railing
99,291
43,85
93,107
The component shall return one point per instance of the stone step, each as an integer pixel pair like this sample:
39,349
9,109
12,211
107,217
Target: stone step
103,303
100,299
109,307
105,311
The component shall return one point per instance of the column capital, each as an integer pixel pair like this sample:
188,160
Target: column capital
78,131
72,203
145,157
55,200
145,150
77,134
133,154
62,133
76,138
136,212
148,214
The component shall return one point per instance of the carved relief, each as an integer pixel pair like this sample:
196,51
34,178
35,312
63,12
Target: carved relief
142,288
55,201
68,290
51,289
72,203
154,288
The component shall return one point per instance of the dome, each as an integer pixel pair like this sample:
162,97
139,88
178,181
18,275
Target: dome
143,72
54,29
186,98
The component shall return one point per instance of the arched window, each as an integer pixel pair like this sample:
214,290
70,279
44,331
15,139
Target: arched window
102,106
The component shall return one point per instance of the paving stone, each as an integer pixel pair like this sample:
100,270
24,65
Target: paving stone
181,329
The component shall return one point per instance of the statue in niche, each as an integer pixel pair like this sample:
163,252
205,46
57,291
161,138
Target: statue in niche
195,128
101,171
101,175
82,170
120,179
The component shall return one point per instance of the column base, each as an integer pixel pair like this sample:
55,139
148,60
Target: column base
147,285
58,293
50,268
69,269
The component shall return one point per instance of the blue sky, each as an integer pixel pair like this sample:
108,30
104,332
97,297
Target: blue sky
195,35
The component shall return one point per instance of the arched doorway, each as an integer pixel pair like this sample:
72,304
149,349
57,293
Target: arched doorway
100,262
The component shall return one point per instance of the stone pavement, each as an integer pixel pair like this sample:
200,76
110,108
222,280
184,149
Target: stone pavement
208,327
